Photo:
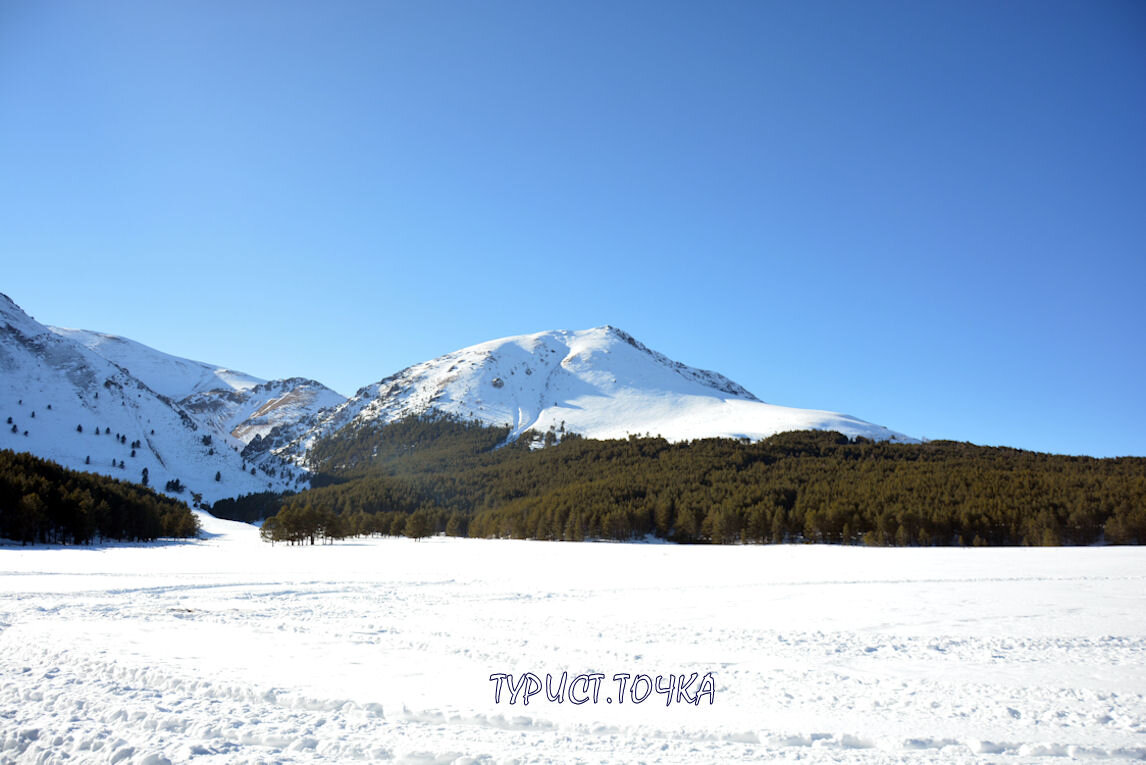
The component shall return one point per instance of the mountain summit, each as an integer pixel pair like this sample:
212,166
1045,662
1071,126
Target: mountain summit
599,383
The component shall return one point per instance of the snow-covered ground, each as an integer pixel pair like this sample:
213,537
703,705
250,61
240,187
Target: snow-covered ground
230,650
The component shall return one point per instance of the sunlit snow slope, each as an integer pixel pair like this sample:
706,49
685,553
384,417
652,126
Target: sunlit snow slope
600,383
172,376
256,412
62,401
234,407
238,406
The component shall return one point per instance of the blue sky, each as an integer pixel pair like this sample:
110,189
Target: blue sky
929,215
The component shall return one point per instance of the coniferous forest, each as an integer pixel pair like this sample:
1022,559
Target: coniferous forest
40,501
420,476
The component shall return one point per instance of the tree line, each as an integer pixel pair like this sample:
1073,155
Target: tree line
300,525
807,486
43,502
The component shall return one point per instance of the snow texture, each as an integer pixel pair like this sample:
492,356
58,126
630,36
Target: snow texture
229,650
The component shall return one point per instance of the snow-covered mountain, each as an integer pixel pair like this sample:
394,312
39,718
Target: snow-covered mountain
599,383
255,413
111,405
235,407
63,400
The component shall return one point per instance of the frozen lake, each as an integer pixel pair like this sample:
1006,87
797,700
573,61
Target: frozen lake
230,650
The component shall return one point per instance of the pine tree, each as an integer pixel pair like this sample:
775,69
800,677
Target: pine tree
417,525
456,525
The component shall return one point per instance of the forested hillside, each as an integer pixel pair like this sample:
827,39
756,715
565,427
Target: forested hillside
40,501
800,486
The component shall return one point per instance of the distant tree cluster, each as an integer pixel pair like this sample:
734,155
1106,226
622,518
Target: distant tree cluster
40,501
249,508
304,525
807,486
418,444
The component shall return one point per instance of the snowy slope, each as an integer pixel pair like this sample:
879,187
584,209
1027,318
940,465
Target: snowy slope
257,411
234,407
600,383
172,376
72,405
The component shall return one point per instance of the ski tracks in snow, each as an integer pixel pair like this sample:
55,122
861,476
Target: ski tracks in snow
234,651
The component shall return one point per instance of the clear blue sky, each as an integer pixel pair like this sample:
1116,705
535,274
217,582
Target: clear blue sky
929,215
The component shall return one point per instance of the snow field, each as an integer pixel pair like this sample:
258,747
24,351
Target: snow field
229,650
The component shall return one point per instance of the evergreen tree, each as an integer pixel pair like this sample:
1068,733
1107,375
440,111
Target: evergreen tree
456,525
44,502
417,525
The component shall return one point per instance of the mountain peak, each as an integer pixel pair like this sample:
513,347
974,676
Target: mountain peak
600,383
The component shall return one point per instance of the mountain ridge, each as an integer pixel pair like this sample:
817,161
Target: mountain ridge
63,401
173,376
599,383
